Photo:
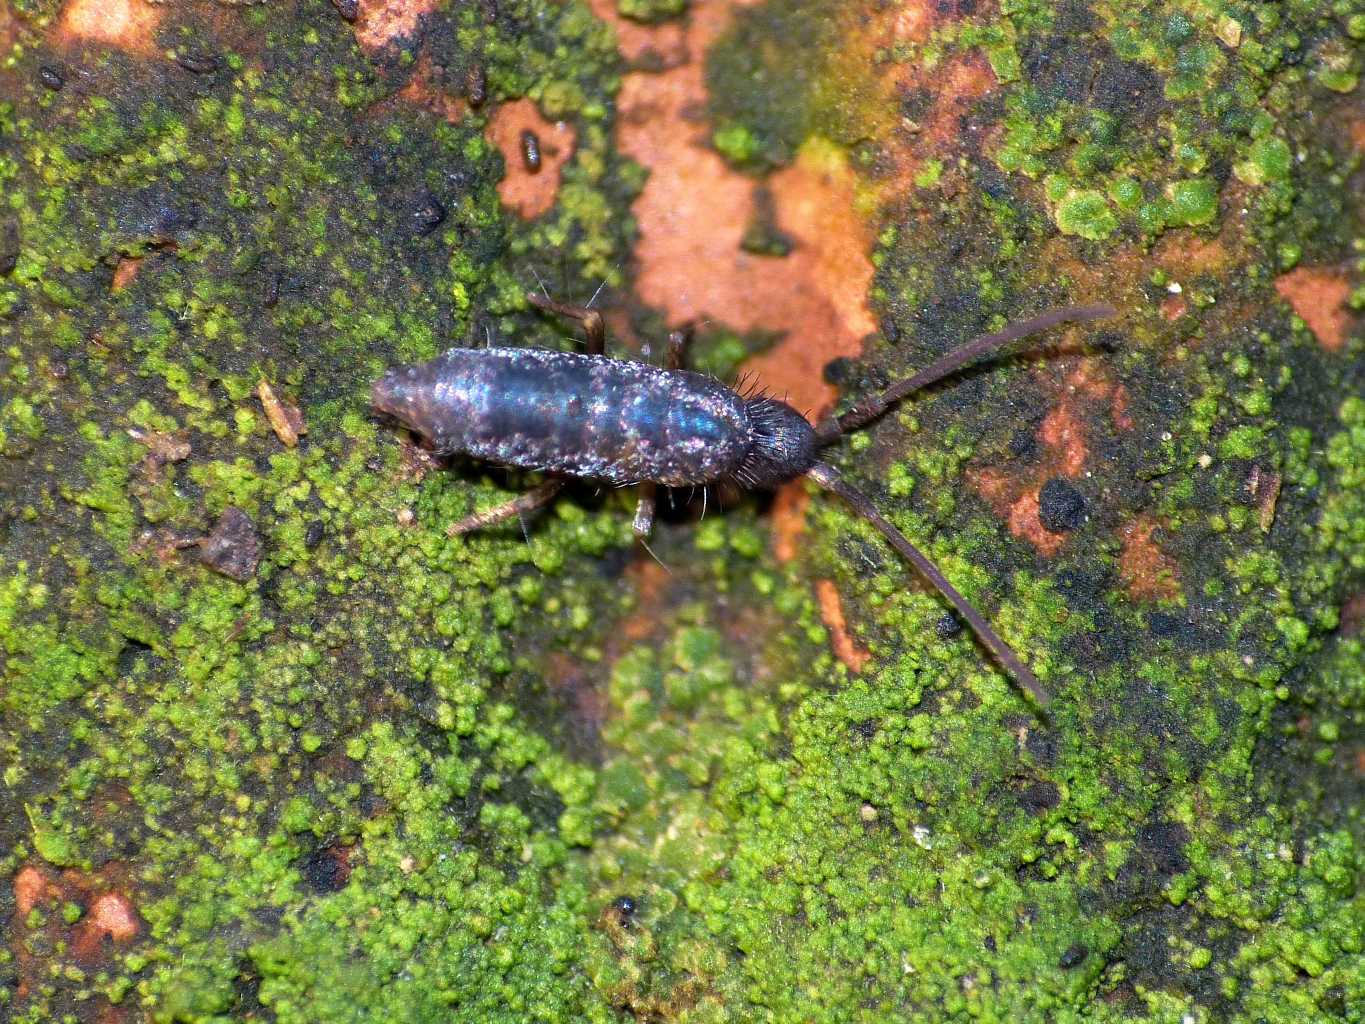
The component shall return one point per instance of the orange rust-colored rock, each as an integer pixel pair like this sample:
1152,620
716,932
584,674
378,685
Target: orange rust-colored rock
128,25
1062,431
1353,615
9,28
423,92
1147,571
1173,307
789,519
657,46
1182,253
832,612
1358,135
110,916
380,22
1016,501
694,209
529,193
125,272
649,579
1318,295
1063,451
31,886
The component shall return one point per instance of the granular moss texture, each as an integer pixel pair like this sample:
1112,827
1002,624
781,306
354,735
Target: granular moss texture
276,748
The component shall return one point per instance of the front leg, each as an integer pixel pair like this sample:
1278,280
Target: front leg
594,327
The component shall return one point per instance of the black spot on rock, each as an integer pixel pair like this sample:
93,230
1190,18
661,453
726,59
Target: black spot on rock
325,870
9,244
1127,90
838,371
1060,506
1164,624
196,62
866,728
1024,444
1039,796
1074,956
948,626
1164,842
426,213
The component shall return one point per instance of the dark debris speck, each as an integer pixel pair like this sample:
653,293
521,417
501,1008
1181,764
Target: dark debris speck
51,77
1060,506
9,244
1074,956
325,870
233,547
426,212
1040,796
948,626
196,62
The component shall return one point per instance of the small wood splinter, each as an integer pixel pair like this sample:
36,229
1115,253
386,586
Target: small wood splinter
624,422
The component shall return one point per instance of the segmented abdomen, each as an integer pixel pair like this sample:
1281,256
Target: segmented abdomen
590,416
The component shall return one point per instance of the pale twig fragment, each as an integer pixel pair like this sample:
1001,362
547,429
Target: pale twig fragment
285,420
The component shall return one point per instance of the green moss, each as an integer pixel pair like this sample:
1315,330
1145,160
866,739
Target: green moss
651,12
1085,213
1268,159
736,143
1191,202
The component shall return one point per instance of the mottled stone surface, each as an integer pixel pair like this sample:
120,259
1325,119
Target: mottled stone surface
394,774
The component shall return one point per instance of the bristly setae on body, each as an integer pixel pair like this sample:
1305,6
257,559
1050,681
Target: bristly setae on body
626,422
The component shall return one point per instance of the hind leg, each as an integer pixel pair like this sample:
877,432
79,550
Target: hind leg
536,497
643,523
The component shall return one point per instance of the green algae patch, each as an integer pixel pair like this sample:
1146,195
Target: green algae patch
651,12
1085,213
1192,202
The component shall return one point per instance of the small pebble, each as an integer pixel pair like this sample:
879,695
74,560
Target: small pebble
233,547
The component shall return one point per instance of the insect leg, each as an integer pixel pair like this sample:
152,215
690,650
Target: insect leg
827,478
536,497
676,351
643,524
594,327
832,427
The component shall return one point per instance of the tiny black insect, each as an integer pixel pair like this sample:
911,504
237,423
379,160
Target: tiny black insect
530,150
626,422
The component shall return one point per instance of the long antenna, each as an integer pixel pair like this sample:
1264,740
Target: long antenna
827,478
833,427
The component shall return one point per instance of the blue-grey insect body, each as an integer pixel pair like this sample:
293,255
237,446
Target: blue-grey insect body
625,422
588,416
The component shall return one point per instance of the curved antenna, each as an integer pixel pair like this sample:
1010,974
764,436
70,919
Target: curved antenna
833,427
827,478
